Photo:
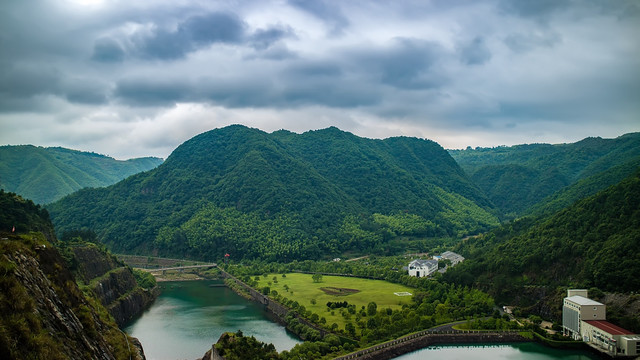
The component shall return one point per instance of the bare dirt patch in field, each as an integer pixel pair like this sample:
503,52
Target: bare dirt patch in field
338,291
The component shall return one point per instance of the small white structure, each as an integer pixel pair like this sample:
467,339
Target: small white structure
422,268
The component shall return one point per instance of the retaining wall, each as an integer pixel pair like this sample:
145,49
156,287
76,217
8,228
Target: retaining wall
273,307
413,342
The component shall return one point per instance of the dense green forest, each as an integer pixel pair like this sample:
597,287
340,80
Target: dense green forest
593,243
526,179
20,215
283,196
47,174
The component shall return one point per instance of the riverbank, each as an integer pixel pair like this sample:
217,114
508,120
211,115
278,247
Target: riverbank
277,310
189,316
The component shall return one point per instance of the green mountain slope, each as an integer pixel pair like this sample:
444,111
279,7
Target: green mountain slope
43,313
593,243
519,177
47,174
280,196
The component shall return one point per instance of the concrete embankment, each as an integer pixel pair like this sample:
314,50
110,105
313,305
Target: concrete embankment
273,307
417,341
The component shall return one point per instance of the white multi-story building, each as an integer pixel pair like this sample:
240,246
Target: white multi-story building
577,307
585,319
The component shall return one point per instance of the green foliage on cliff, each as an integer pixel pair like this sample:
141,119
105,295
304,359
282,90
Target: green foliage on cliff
23,215
282,196
593,243
144,279
43,314
518,177
236,346
47,174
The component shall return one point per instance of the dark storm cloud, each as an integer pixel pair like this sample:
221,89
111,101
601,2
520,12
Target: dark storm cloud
349,78
85,91
331,83
153,92
23,81
527,42
475,52
537,9
454,65
262,39
406,64
194,33
107,50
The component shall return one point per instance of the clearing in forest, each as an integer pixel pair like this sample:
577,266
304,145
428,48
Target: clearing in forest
356,291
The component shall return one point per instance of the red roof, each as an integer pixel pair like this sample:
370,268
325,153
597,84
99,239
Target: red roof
608,327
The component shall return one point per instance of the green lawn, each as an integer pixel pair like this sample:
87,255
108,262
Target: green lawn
304,290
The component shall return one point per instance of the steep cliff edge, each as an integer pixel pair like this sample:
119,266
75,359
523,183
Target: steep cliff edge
43,313
113,283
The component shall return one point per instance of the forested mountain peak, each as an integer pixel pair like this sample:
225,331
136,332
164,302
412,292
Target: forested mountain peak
307,194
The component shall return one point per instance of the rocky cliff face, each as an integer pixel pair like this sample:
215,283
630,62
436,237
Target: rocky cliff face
113,283
43,313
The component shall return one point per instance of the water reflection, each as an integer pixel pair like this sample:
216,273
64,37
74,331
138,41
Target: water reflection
513,351
190,316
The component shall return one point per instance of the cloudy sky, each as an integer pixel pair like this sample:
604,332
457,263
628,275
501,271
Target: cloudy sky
137,78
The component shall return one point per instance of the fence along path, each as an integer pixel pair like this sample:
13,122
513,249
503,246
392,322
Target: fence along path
180,267
429,337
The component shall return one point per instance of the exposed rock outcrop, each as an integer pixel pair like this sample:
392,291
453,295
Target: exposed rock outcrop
43,313
113,283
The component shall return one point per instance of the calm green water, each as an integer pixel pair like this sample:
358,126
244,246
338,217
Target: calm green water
513,351
190,316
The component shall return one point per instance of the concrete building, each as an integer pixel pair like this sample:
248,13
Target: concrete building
422,268
610,338
585,319
577,308
453,257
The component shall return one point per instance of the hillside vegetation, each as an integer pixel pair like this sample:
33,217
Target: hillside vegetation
527,179
593,243
47,174
282,196
43,313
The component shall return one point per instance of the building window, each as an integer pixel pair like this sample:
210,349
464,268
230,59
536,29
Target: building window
594,315
595,308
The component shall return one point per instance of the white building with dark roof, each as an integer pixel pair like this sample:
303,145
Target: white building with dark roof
422,268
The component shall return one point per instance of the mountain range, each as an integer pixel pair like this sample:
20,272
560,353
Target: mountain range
282,196
47,174
538,179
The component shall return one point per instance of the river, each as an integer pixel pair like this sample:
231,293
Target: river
512,351
189,316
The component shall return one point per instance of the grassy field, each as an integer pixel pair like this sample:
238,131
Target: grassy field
302,289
